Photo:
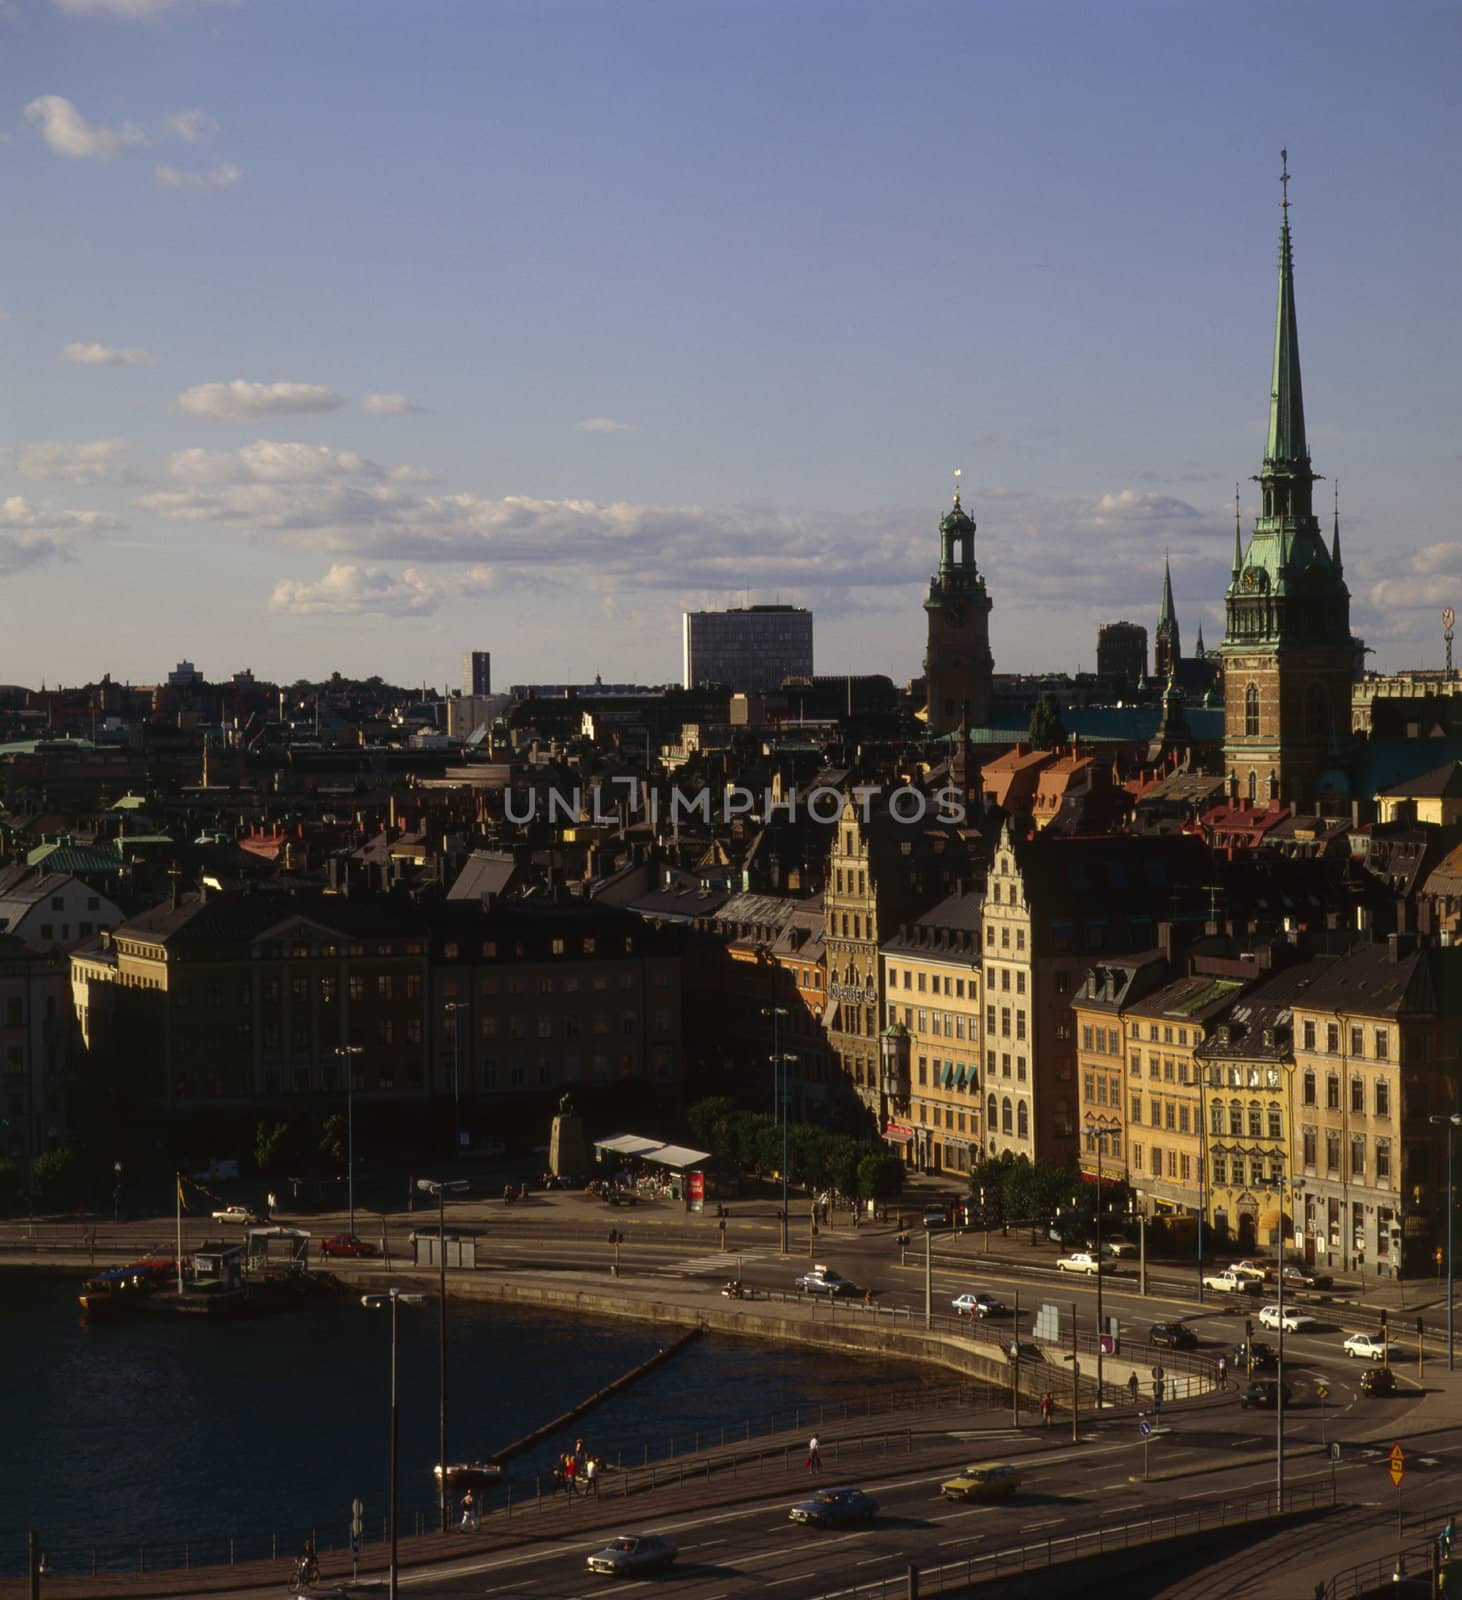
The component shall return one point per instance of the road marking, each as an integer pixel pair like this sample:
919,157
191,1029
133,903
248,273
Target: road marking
964,1538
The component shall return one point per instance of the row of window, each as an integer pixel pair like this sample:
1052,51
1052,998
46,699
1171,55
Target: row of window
1310,1151
1174,1164
1004,936
953,987
1165,1031
1101,1090
1103,1041
939,1024
1380,1089
1005,1015
952,1121
1380,1039
947,1074
1010,1119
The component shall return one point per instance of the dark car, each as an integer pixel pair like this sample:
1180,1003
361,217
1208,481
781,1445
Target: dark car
835,1508
1263,1354
346,1244
1263,1392
1174,1335
1378,1381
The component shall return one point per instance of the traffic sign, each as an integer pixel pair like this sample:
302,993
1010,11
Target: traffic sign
1334,1451
1146,1427
1396,1464
1322,1390
1158,1374
357,1511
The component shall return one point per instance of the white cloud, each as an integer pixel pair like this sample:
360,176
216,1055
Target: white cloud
106,355
241,398
348,590
223,176
192,127
122,10
387,405
31,536
70,134
270,461
91,462
603,425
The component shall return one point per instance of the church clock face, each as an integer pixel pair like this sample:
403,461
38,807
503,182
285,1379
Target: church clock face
1249,578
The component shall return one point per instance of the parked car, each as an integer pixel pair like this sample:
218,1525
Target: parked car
1083,1261
983,1480
242,1214
1263,1392
835,1508
1262,1354
1232,1282
1259,1271
629,1554
1293,1321
1371,1346
1379,1381
1303,1278
1175,1335
977,1304
825,1280
346,1244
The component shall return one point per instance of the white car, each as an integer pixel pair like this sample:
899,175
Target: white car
236,1214
1373,1346
1083,1261
976,1304
1292,1321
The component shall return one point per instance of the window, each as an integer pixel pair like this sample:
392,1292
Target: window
1255,1123
1357,1155
1220,1170
1276,1125
1357,1041
1251,710
1020,938
384,987
1136,1068
1236,1121
989,1019
1332,1152
1383,1161
1136,1108
1169,1115
1309,1035
1309,1140
1185,1168
1172,1163
1005,1022
1020,1024
1309,1090
1006,1117
1332,1092
1332,1037
1215,1122
990,1114
1383,1098
1383,1044
1358,1095
1023,1120
1183,1121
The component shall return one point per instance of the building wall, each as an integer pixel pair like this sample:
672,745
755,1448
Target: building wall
1164,1110
1101,1071
1289,746
854,971
747,650
936,995
1009,1036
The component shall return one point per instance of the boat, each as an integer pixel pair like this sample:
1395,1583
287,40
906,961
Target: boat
468,1474
120,1289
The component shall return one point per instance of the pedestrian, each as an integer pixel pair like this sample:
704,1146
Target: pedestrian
579,1452
591,1476
814,1455
570,1473
1132,1387
469,1512
1048,1405
1222,1372
273,1203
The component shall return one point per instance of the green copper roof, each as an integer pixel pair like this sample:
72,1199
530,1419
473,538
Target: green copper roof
1286,446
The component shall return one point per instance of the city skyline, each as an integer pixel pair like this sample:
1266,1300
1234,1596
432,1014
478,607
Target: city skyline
536,327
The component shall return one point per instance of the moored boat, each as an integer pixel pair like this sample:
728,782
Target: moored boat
120,1289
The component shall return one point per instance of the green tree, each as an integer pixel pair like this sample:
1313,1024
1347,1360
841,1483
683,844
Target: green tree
55,1180
1047,731
269,1146
332,1140
880,1176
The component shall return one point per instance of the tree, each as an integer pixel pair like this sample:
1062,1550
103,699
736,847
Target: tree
269,1145
54,1180
332,1140
1047,731
880,1176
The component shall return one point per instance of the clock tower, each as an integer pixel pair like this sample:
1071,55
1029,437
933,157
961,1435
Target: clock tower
958,666
1289,658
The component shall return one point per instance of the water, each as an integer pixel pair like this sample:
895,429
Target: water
148,1432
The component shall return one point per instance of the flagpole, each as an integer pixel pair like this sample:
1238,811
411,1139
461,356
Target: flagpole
180,1232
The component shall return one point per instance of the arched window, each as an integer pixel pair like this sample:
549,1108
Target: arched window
1251,709
1253,786
1023,1120
990,1117
1005,1116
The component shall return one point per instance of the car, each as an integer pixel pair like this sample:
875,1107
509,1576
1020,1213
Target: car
935,1218
1293,1321
1371,1346
1259,1271
835,1508
1175,1335
1260,1353
825,1280
982,1480
1233,1282
977,1304
1082,1261
241,1214
629,1554
346,1244
1024,1350
1118,1246
1262,1392
1302,1278
1379,1381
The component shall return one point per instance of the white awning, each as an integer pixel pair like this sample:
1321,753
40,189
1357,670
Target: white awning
657,1151
629,1144
677,1155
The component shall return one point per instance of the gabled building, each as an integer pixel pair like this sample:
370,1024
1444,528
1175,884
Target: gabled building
1101,1056
52,908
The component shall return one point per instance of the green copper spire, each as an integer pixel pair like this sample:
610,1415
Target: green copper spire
1286,445
1238,537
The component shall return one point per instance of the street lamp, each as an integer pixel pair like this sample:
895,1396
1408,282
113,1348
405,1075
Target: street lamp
779,1101
1451,1124
441,1190
1097,1133
1279,1182
454,1009
374,1302
350,1051
117,1192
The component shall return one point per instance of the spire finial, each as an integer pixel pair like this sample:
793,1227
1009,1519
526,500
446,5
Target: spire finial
1284,184
956,488
1335,536
1238,541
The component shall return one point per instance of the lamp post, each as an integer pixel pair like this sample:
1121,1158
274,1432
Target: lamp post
1096,1132
1451,1124
374,1302
1279,1183
117,1191
441,1189
350,1052
779,1095
454,1010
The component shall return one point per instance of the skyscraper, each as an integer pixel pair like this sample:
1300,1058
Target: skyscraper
477,672
1289,657
754,648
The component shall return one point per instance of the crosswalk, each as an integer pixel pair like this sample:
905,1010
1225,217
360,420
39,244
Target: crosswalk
725,1265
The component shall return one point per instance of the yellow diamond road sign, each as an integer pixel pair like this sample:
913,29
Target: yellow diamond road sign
1396,1463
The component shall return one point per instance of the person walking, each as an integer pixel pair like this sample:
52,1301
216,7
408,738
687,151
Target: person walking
1222,1372
814,1455
1132,1387
1048,1405
591,1476
469,1512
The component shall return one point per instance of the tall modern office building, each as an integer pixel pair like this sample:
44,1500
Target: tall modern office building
477,672
755,648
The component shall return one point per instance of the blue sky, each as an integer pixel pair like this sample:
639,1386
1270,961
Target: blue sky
350,335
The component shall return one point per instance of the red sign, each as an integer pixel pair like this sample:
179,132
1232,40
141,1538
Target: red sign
896,1133
695,1187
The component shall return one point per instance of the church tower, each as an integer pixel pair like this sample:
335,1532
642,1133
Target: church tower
958,666
1288,654
1167,646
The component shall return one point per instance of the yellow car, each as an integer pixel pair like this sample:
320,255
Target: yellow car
984,1480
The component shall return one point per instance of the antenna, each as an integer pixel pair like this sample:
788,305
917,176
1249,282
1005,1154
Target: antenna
1284,185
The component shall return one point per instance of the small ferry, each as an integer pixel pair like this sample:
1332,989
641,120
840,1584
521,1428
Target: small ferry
119,1289
468,1475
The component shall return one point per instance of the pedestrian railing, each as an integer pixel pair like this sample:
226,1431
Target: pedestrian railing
1415,1560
